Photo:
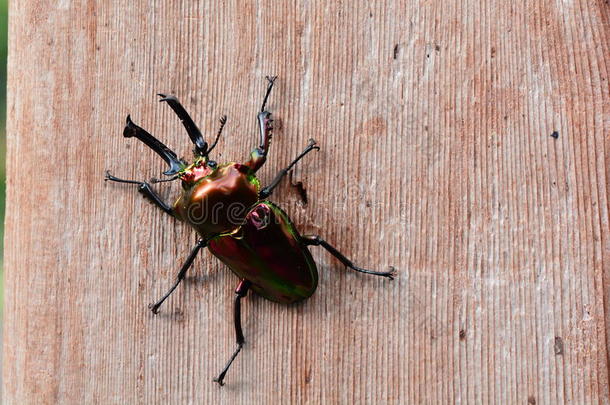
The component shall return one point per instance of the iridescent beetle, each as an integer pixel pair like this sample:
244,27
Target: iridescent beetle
235,220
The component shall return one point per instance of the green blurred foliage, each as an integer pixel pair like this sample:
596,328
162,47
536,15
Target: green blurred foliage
3,53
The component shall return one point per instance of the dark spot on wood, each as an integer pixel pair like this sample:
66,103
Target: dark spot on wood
368,204
425,128
555,134
437,47
308,376
462,334
178,315
370,14
396,49
506,117
493,51
300,190
531,400
427,55
558,346
193,100
300,29
373,127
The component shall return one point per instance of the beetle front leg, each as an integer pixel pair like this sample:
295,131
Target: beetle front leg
318,241
266,192
241,291
189,261
258,156
146,190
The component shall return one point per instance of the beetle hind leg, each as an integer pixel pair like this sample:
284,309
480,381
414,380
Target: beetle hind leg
240,291
318,241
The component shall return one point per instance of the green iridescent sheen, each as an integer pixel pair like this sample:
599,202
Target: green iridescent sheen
215,202
256,239
268,252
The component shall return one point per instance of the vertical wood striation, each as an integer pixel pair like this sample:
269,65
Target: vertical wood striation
434,121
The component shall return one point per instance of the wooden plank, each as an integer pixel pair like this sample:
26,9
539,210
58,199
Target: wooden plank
435,123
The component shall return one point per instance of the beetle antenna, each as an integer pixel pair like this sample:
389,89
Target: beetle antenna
223,121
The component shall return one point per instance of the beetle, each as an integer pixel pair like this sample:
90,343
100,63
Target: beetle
235,220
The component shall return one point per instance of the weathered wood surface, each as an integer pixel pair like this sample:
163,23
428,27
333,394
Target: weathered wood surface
434,120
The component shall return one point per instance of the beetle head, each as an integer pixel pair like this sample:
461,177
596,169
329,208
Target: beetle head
201,168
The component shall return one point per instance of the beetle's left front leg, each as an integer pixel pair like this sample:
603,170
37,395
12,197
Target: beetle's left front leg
318,241
241,291
144,189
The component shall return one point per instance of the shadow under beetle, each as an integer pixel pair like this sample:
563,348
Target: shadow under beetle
234,219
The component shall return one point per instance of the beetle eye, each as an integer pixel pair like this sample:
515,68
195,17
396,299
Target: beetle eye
212,164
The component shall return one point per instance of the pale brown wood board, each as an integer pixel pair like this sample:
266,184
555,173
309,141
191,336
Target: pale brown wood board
434,121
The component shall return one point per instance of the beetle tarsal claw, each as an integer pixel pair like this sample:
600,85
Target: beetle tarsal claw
154,308
313,144
166,98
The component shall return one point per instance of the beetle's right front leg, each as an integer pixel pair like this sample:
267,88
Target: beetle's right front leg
145,189
258,156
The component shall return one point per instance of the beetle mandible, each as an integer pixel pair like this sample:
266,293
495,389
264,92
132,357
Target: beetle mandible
234,218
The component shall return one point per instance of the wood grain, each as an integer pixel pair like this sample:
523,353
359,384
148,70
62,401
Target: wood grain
435,123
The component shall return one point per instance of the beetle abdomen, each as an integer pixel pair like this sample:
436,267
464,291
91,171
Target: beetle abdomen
268,252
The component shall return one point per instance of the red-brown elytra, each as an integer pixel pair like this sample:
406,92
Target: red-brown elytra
235,220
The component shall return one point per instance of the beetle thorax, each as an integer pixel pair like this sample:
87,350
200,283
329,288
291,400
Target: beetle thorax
215,201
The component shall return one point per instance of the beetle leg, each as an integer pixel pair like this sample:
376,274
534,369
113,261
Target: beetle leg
266,192
318,241
146,190
258,156
189,261
271,81
191,128
241,291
